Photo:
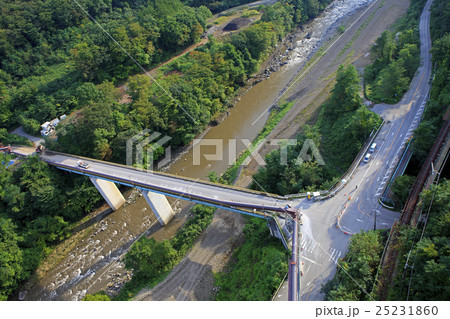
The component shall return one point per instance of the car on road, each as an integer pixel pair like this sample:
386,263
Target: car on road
367,158
83,164
372,147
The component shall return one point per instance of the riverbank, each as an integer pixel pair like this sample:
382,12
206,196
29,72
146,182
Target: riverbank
89,273
308,94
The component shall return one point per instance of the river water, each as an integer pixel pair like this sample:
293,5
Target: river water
95,263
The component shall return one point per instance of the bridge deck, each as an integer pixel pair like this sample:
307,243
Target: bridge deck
167,184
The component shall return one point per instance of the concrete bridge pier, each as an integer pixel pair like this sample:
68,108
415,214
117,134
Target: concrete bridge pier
110,192
160,206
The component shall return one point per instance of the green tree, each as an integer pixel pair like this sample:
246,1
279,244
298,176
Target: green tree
439,197
409,58
431,277
99,296
258,268
11,258
424,137
384,48
87,59
345,94
360,264
401,187
391,83
149,258
259,38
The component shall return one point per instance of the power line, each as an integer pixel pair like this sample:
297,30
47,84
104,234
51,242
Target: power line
136,62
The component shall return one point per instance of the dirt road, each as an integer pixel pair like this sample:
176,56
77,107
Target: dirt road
192,279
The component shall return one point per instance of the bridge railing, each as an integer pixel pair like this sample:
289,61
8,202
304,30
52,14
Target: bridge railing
254,203
197,181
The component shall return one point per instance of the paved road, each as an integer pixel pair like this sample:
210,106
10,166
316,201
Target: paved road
171,185
323,244
36,140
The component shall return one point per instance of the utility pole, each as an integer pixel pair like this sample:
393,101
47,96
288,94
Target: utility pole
375,218
375,221
294,263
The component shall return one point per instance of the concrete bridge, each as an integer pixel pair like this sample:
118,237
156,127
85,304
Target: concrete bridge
155,186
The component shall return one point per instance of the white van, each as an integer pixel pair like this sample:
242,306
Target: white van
367,158
372,147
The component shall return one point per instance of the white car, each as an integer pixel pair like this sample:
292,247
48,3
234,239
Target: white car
367,158
83,164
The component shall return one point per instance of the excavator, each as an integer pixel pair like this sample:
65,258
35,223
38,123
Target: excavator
5,148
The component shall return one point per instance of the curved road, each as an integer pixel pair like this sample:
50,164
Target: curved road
323,244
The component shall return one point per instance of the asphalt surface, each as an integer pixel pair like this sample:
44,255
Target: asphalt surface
36,140
322,242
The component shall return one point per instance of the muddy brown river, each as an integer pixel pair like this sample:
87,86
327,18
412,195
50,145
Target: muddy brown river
95,263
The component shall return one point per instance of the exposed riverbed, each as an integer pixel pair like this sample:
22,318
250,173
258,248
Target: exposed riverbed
94,264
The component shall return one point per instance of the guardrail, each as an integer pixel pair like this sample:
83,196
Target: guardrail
339,185
197,181
279,287
400,152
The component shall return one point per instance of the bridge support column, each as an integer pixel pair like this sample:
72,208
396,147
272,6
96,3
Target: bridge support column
160,206
110,192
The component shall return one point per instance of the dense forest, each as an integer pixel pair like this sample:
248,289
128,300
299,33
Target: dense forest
343,123
427,245
71,64
396,58
38,204
52,55
257,267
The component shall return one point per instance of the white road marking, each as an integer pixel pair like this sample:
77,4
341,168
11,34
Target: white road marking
337,258
359,220
305,246
331,256
310,260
